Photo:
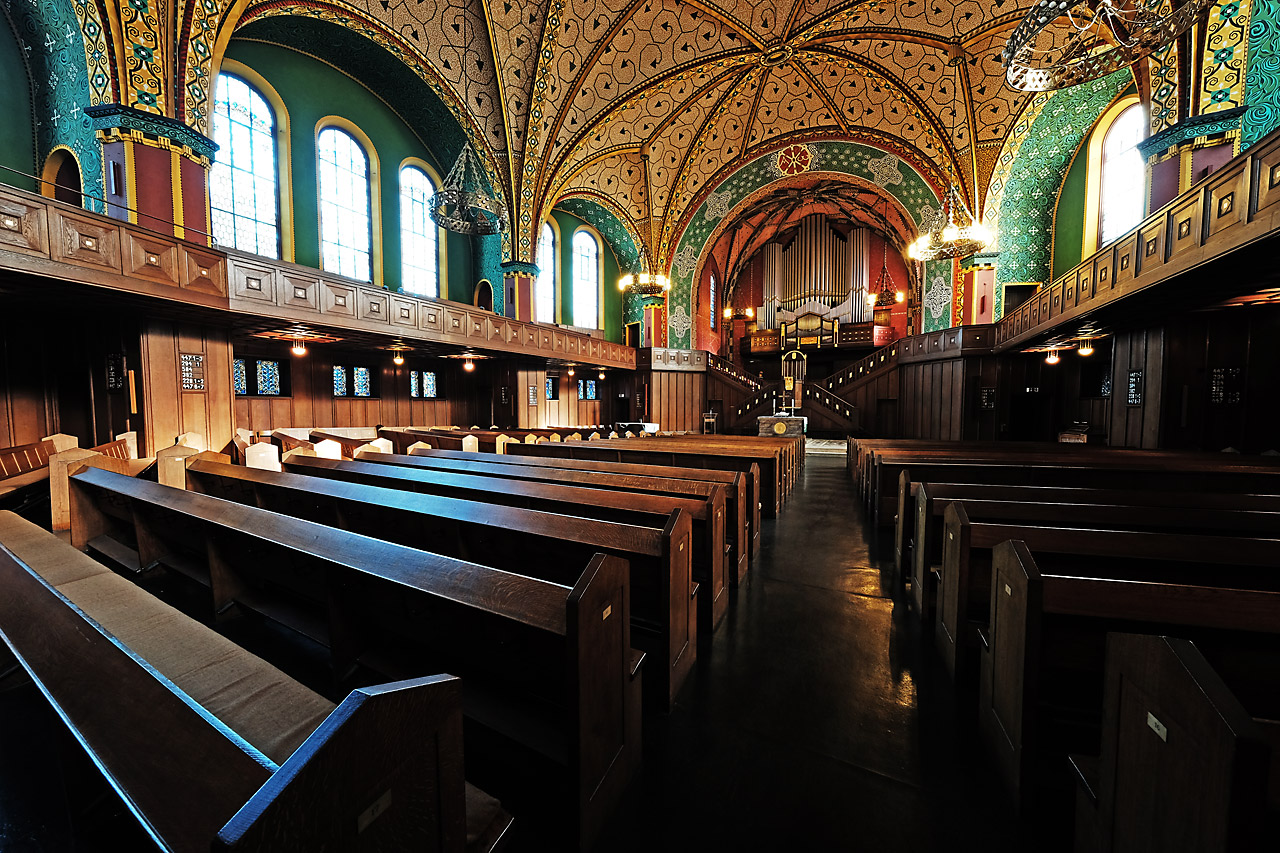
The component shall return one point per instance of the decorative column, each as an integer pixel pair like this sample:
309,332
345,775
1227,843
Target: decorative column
518,280
157,171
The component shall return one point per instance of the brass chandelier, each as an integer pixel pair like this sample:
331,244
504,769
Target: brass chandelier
462,205
1064,42
645,284
961,235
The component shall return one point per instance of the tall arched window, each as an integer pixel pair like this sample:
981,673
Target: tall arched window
711,301
419,235
586,281
1121,197
243,196
544,298
346,237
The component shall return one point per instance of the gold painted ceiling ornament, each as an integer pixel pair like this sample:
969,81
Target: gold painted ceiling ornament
462,205
957,233
1061,43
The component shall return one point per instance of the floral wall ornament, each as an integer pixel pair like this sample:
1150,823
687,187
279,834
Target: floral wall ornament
679,323
884,170
795,159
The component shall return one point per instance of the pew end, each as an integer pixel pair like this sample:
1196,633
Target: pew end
62,466
383,771
61,441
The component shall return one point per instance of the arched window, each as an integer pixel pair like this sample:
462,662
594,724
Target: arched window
1121,196
586,281
712,300
346,238
243,194
419,235
544,298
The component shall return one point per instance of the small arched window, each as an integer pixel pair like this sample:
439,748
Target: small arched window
711,301
346,236
545,296
243,197
1123,176
419,235
586,281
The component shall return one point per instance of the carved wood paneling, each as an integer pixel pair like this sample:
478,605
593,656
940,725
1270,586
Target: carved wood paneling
203,271
84,241
151,257
24,227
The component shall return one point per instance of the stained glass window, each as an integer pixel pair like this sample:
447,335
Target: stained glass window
239,379
364,384
586,280
419,250
545,290
582,389
553,391
591,389
712,300
339,381
429,385
269,377
1122,196
413,383
242,183
345,237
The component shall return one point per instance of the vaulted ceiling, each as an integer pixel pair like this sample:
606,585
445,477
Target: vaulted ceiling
647,105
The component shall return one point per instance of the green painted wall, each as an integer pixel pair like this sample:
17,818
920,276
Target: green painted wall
611,296
312,90
1068,219
17,131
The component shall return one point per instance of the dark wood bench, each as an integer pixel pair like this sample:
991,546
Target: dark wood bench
528,542
1199,728
972,530
710,568
548,672
788,452
736,532
1043,651
287,442
212,748
738,482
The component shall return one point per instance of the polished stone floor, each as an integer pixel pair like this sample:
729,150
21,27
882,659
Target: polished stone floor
818,720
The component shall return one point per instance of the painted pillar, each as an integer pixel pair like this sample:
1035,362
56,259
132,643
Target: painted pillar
156,170
518,280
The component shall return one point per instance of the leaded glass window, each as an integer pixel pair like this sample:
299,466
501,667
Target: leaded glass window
582,389
586,281
712,301
553,390
339,381
243,197
345,237
591,389
429,389
545,296
419,250
1122,196
413,383
269,378
239,379
363,383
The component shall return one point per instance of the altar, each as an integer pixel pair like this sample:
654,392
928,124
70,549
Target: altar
782,426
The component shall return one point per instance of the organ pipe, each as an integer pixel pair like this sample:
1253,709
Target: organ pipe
816,267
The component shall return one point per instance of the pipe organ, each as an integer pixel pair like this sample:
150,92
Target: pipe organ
818,271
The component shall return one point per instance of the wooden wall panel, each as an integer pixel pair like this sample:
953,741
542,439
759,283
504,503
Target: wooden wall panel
24,413
168,409
1137,425
677,399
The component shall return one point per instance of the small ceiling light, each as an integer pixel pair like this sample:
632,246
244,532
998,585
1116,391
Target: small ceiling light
468,365
398,358
570,371
298,349
1086,347
602,374
1052,357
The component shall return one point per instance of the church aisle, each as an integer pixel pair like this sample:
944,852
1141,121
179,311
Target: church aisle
819,719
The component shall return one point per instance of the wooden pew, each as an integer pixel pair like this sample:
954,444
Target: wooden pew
1042,656
710,568
24,464
736,481
548,669
788,452
287,442
210,747
736,533
1199,729
528,542
921,551
969,542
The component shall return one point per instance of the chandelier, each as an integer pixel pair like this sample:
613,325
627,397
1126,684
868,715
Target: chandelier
882,294
645,284
1064,42
955,239
462,205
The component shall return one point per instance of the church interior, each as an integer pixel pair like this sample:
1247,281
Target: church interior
639,425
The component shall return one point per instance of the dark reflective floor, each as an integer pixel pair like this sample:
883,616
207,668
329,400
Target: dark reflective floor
818,720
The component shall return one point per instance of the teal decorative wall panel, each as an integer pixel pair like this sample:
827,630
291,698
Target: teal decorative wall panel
49,33
938,280
886,170
1262,80
488,265
1026,207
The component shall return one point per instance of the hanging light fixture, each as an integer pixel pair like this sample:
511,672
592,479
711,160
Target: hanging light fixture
1052,357
883,293
398,358
298,349
645,284
1064,42
602,374
462,205
961,235
1086,347
468,365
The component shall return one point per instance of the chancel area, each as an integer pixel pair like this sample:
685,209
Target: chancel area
650,425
